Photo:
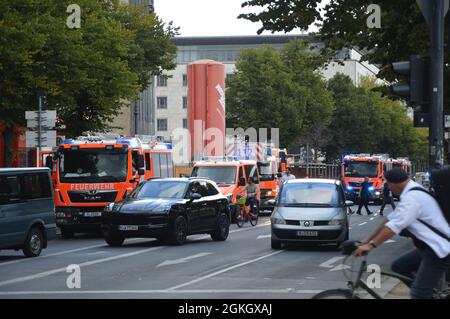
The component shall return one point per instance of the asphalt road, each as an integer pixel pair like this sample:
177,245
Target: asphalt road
244,266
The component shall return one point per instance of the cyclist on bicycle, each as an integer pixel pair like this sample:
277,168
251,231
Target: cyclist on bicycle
419,214
252,191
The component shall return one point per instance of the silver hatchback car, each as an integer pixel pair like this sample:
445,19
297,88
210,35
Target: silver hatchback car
310,211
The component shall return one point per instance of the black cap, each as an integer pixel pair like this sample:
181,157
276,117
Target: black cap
396,176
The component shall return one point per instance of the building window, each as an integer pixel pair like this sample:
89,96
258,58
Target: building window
161,102
185,80
185,102
162,80
184,123
162,124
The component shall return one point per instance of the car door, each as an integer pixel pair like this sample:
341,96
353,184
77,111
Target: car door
194,208
215,204
11,206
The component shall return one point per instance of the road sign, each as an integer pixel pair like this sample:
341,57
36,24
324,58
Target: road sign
447,121
426,6
45,123
33,115
48,138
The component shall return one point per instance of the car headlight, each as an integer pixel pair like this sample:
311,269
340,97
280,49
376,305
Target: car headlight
269,193
377,193
109,207
371,189
336,221
163,208
278,219
349,188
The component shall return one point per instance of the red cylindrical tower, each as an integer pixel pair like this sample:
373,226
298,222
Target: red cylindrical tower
206,108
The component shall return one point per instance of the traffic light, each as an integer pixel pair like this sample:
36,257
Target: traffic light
417,90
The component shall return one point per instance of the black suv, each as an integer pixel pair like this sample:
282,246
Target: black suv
168,209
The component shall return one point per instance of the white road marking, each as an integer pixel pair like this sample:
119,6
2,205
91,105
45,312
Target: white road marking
390,241
224,270
340,267
105,245
362,224
181,260
163,291
372,218
263,236
376,214
88,263
329,263
62,253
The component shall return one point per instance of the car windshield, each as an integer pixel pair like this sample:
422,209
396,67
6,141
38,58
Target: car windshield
266,172
93,165
309,194
361,169
160,189
222,175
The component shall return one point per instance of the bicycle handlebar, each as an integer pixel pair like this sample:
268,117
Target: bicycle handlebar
348,247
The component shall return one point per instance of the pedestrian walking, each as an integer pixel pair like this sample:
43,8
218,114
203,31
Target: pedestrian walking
287,176
387,198
364,196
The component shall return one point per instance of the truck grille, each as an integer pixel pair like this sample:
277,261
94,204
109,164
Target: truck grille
92,196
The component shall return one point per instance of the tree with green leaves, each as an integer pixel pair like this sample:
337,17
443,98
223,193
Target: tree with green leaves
89,73
367,122
280,89
343,24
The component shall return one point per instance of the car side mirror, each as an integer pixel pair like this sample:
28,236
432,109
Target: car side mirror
49,162
271,202
195,196
140,161
141,171
241,181
349,203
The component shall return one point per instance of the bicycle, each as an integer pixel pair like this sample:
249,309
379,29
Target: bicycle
242,215
354,287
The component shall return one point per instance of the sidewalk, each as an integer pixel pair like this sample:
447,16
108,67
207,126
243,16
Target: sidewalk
400,291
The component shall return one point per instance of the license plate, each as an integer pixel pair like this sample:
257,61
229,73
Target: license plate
128,227
307,233
92,214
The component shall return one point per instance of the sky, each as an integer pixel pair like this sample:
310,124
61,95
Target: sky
208,17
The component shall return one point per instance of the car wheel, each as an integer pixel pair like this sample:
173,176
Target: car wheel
275,244
179,231
34,243
66,233
114,241
223,228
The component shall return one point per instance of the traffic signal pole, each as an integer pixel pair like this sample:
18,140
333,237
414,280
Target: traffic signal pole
436,149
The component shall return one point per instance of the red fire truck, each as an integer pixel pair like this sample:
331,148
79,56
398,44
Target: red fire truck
91,172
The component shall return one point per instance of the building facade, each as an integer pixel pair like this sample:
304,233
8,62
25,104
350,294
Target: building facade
170,92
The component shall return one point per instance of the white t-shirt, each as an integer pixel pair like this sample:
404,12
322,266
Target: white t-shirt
416,205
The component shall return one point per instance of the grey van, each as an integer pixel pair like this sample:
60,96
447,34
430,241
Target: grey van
310,211
27,209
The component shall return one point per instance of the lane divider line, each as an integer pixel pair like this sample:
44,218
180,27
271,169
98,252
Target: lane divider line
223,270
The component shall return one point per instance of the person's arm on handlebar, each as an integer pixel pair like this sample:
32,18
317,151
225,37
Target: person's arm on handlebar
374,234
384,234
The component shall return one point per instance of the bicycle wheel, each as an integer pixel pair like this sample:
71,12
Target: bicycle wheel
239,217
335,294
254,213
